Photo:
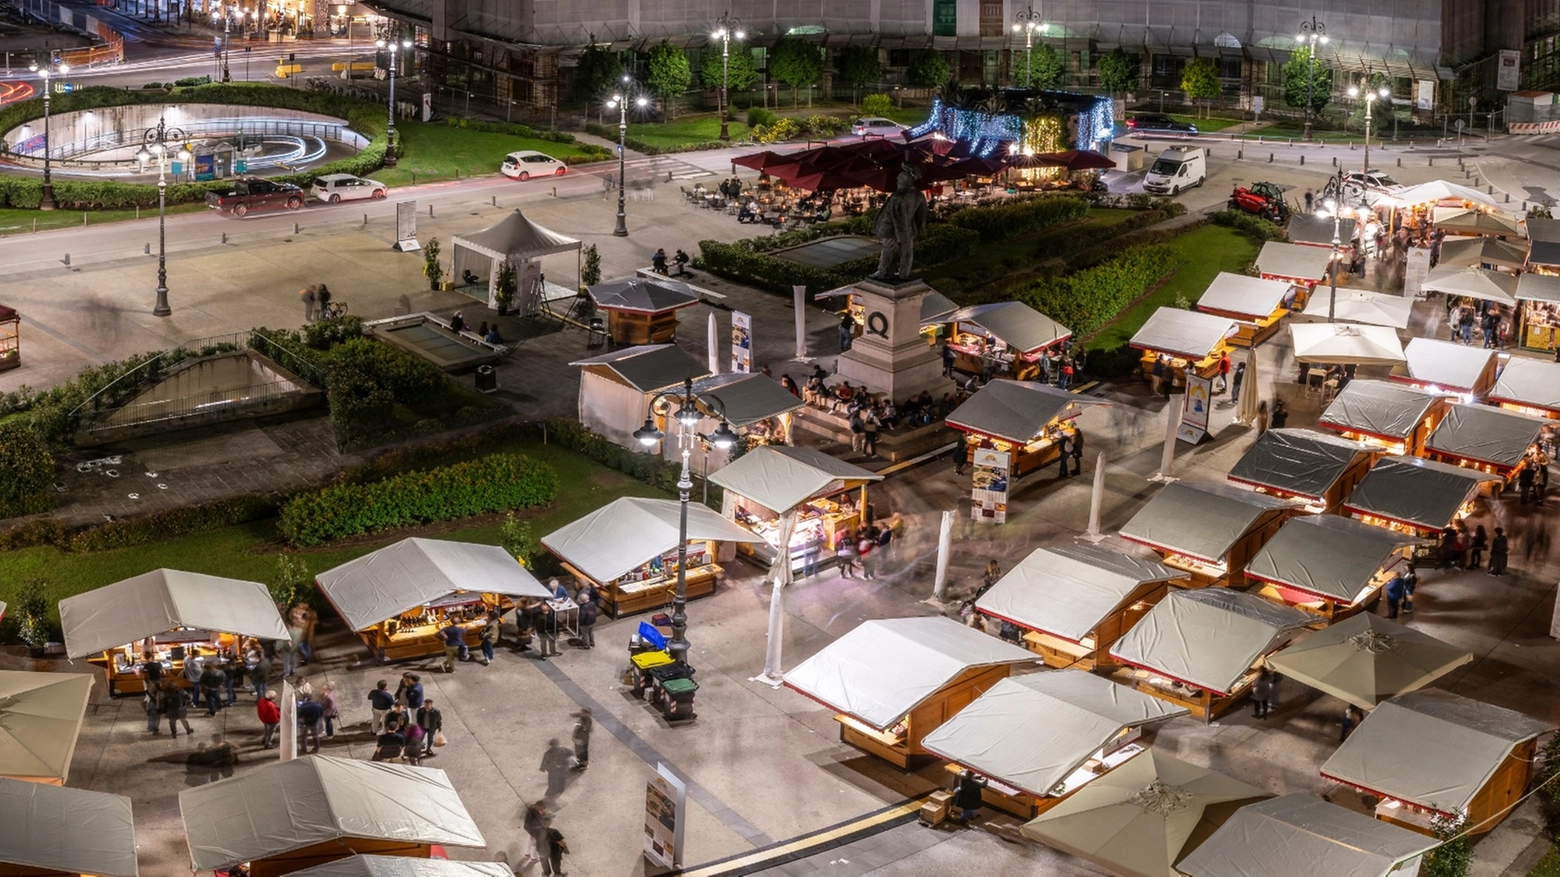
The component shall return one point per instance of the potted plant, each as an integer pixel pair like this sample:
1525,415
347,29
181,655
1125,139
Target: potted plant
32,610
504,287
431,267
590,274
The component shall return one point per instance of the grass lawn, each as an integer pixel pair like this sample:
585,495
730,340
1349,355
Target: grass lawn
1206,125
1548,866
691,129
1008,261
1204,252
15,221
437,151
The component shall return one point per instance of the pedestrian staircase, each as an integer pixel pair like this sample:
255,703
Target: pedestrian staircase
894,446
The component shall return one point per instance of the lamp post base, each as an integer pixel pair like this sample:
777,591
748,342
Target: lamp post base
622,226
725,132
47,202
162,309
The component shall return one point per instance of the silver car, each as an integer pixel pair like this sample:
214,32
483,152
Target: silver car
336,188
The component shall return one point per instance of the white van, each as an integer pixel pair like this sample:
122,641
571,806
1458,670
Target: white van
1177,168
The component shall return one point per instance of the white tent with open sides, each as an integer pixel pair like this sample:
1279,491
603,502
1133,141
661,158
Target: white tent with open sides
518,241
60,830
162,600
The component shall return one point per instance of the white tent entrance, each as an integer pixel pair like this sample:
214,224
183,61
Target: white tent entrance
518,241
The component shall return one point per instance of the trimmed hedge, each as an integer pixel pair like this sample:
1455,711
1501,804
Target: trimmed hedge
649,468
1001,221
749,261
1254,227
28,465
173,523
1088,299
494,483
515,129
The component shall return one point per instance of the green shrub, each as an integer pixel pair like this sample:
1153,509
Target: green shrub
759,116
1115,362
648,468
409,379
39,531
192,81
173,523
1000,221
822,127
27,464
1086,300
495,483
876,105
331,331
1253,227
779,132
749,260
32,611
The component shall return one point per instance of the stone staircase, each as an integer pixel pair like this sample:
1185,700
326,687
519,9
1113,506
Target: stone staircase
813,427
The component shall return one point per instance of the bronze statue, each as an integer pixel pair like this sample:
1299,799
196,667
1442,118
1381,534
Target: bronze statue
902,218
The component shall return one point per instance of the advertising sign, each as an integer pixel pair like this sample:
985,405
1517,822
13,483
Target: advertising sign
1508,74
741,343
666,810
1194,412
1415,272
406,226
989,494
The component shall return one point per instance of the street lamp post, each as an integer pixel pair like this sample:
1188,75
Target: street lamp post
46,72
1370,96
726,30
620,101
1028,21
691,408
156,142
389,43
1313,33
1338,212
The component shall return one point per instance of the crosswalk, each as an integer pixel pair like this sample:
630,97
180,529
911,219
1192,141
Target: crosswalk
655,167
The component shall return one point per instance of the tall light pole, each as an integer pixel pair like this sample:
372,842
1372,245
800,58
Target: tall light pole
389,43
1312,33
1338,213
156,142
46,72
1370,96
620,101
726,30
691,408
1028,21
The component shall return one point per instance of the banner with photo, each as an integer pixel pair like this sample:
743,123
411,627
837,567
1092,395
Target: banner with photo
1194,412
666,811
741,343
990,492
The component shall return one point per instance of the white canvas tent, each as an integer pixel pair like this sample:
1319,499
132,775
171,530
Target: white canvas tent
1366,659
514,239
1297,263
1013,323
1017,411
1472,282
1296,835
291,806
55,829
1459,221
40,719
1529,383
162,600
403,866
781,478
1415,492
414,572
1443,365
1360,306
1539,287
1437,191
1345,344
746,400
1328,557
1247,298
1297,462
1067,590
616,388
1479,251
1378,408
625,533
1208,638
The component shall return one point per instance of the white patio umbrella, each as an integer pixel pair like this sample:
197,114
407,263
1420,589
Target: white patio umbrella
1346,344
40,718
1437,191
1482,251
1361,306
1367,659
1473,282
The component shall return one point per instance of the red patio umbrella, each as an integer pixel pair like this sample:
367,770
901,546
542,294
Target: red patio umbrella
1024,161
1081,160
763,160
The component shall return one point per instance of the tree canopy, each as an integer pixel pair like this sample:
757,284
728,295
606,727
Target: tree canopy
1043,69
859,66
929,69
1118,70
741,69
1200,80
1300,84
597,74
796,62
670,75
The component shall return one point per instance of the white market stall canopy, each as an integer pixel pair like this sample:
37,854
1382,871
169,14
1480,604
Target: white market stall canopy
1542,230
1301,462
746,399
1245,297
780,478
1530,383
1444,365
1327,556
1416,492
1200,519
1036,731
292,805
1294,261
1187,334
1484,434
1539,287
1472,282
1378,408
883,669
1013,323
512,239
1473,252
1360,306
647,368
1017,411
1067,590
1296,835
1459,221
1208,637
1365,659
628,532
404,866
1345,343
1316,230
642,295
1437,191
162,600
40,719
415,572
1431,748
60,829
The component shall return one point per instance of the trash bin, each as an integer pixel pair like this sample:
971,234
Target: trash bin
487,380
641,666
659,676
677,703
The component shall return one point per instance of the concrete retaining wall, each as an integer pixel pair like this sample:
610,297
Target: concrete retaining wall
84,126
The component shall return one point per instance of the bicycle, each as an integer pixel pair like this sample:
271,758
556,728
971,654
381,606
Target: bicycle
333,309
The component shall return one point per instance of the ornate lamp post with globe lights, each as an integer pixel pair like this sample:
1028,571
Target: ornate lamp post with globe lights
156,144
1029,22
391,44
1312,33
620,102
47,72
1369,95
726,30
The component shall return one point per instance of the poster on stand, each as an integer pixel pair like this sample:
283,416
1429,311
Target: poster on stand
1416,270
406,226
741,343
1194,413
990,492
666,810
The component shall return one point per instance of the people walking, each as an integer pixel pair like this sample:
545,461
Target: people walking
1262,694
174,704
583,725
1498,549
330,702
845,553
380,703
306,295
310,714
453,638
1481,541
1262,418
152,705
1410,578
546,622
432,723
866,552
1223,378
1394,590
991,575
410,692
1077,451
811,553
212,683
1235,382
947,358
270,715
847,332
390,744
858,431
1525,476
492,626
555,763
1352,716
257,667
1280,414
552,865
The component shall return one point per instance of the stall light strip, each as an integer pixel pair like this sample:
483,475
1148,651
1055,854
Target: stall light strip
1284,492
1030,627
1173,550
1410,524
1307,591
1382,795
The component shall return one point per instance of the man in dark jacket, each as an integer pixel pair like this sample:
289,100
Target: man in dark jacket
453,637
212,683
310,714
389,745
1498,549
380,702
410,694
1396,589
966,795
590,610
431,721
174,705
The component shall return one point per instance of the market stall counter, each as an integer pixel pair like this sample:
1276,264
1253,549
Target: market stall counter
755,407
1317,468
1367,659
1433,752
1074,601
400,597
1027,420
1447,368
1417,497
1332,566
1256,303
1003,338
628,550
1317,839
1187,340
1394,417
1041,737
57,831
894,681
172,615
1300,265
40,719
1538,311
1202,649
1208,531
1528,386
1491,440
767,482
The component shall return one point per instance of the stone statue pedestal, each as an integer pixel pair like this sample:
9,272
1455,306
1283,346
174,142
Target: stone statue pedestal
891,355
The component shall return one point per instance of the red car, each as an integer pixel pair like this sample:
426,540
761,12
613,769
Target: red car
1262,199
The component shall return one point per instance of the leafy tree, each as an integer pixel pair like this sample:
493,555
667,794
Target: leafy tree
1200,81
1299,83
1452,857
597,74
26,460
859,66
32,610
876,105
670,74
928,69
796,62
590,274
741,69
518,539
1118,70
290,581
1041,67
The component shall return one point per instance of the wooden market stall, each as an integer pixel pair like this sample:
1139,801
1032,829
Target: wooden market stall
1447,368
1037,739
1417,497
1300,265
1256,304
1394,417
642,310
1317,468
1318,839
58,831
1188,340
1538,311
891,682
10,339
628,550
755,406
1024,419
400,597
287,816
1432,751
1491,440
1007,338
1074,601
173,615
1202,649
40,719
1208,530
1332,566
1528,386
763,484
616,388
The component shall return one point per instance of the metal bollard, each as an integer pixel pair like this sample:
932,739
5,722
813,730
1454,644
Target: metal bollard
83,220
1430,163
147,250
67,260
1270,158
1302,159
430,211
1508,197
295,228
1335,161
224,237
365,219
1400,161
495,200
555,191
1240,154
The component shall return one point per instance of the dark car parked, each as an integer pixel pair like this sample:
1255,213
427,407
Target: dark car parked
1159,122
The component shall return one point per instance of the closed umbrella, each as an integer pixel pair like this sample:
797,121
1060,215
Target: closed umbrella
1472,282
1346,344
40,718
1367,659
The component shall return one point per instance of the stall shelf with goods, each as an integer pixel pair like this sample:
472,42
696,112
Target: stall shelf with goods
1209,531
1027,420
1491,440
1037,739
176,616
767,482
56,831
1074,601
628,550
1432,752
400,597
616,388
1003,338
1257,304
1332,566
284,817
1528,386
1359,306
1396,418
401,866
1538,310
40,719
754,406
1297,835
1447,368
1190,341
1367,659
1301,266
642,310
1317,468
1417,497
892,682
1202,649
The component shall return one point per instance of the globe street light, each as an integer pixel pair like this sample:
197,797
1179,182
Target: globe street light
1339,212
1370,96
1312,33
726,30
691,408
156,143
621,103
1028,21
47,72
394,46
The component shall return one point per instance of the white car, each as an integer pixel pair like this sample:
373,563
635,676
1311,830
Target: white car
336,188
1368,186
875,125
528,163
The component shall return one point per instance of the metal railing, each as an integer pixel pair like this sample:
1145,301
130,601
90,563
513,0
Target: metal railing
197,405
33,146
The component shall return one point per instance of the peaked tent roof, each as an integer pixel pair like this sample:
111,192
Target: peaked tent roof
1294,261
1540,287
1482,251
1459,221
1443,364
780,477
1416,492
1361,306
1208,637
649,368
405,866
1530,382
1296,835
1016,410
1302,462
1014,323
1441,190
747,398
1486,434
516,237
1244,296
1200,519
1188,334
1378,408
1067,590
162,600
642,295
1345,343
57,828
1326,556
40,719
1365,659
883,669
295,804
1035,731
630,531
413,572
